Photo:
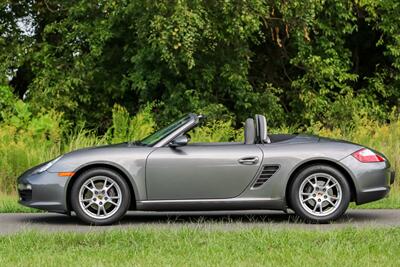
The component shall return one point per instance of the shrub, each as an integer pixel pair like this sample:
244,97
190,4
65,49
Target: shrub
216,131
124,128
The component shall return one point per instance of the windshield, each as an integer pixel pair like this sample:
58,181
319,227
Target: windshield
157,136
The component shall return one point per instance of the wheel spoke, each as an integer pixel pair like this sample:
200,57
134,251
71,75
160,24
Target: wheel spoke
105,184
93,185
333,197
88,205
327,182
311,183
330,202
331,186
104,210
89,188
112,202
307,199
316,206
109,187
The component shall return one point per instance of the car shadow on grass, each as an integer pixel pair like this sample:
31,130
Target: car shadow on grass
221,218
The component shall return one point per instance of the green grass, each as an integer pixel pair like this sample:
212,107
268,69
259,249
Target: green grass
200,247
9,204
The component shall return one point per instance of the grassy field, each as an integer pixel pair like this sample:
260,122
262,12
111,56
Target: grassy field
200,247
9,204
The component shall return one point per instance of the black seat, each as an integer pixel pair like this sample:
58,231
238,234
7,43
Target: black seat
249,132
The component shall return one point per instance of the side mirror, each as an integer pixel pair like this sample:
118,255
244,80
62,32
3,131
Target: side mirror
182,140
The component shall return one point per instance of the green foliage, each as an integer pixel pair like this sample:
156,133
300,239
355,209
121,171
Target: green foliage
26,141
125,128
216,131
297,62
7,99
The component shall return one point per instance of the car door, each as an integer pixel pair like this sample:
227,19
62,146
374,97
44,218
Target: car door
201,171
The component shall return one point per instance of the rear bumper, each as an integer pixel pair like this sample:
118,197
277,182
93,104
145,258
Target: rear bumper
392,177
371,180
374,194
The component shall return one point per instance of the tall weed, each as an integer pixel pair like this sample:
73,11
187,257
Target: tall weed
216,131
124,128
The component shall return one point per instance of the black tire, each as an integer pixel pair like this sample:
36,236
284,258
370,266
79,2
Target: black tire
100,172
295,187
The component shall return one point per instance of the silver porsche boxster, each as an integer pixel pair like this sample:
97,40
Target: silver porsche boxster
315,177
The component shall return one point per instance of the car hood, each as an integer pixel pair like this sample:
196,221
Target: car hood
101,147
122,154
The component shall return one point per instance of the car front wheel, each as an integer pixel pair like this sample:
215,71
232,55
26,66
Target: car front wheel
100,196
320,193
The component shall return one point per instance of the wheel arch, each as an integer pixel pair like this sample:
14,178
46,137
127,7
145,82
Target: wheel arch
107,165
347,174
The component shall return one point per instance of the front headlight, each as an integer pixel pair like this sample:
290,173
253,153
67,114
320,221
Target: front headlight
47,165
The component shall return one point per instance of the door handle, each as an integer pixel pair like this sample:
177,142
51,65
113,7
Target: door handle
248,160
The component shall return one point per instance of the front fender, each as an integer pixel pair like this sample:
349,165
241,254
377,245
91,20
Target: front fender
129,161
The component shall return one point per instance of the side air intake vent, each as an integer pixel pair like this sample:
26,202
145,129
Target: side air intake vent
266,173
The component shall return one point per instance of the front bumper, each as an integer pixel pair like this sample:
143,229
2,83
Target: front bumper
371,180
44,191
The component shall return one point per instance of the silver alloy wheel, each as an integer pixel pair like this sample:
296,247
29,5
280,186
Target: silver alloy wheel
100,197
320,194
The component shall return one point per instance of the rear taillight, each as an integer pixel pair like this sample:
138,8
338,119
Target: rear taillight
365,155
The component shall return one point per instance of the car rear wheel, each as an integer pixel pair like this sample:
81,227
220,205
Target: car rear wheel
100,196
320,193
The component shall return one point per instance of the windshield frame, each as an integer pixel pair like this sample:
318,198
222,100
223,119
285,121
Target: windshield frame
178,127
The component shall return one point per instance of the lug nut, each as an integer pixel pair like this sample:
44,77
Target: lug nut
325,197
319,200
101,203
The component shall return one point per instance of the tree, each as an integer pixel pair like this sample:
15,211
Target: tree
297,62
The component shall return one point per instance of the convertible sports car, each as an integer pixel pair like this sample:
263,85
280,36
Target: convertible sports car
314,176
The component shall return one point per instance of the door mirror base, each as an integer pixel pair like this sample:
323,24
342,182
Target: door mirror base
182,140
